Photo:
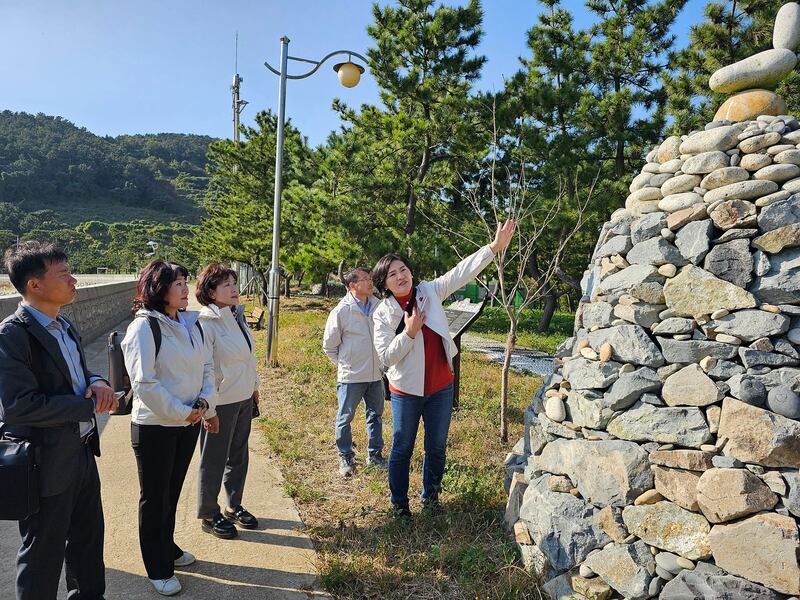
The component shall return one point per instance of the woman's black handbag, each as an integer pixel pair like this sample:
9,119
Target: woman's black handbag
19,479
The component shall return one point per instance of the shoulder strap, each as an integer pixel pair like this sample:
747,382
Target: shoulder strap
243,330
156,329
200,328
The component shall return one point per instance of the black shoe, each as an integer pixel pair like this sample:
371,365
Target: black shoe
219,526
400,512
432,506
241,517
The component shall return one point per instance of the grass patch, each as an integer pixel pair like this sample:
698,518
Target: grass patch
463,551
493,323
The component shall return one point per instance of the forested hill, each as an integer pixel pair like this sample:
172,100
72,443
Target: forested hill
49,163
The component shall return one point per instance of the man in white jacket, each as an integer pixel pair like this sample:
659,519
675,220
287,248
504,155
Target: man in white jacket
348,343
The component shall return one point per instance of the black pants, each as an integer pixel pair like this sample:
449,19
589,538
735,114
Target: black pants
68,529
163,455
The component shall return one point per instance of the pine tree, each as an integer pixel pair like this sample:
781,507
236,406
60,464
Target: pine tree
629,52
408,152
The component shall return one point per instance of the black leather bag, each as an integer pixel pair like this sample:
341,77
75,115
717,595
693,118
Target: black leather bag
19,479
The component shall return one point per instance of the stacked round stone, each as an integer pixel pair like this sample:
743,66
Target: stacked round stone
753,78
661,458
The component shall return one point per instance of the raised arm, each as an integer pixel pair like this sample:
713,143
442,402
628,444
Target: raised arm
470,267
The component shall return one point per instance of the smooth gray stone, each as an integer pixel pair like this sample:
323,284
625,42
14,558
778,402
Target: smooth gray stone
792,499
725,369
652,399
583,373
781,284
755,358
630,387
597,314
561,525
735,234
648,226
786,347
731,262
726,462
783,400
779,214
693,240
682,425
619,244
714,585
674,325
693,351
630,343
655,251
750,325
747,389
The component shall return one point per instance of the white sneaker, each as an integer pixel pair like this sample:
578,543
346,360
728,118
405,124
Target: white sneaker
186,559
167,587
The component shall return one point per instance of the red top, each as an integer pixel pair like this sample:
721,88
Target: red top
438,374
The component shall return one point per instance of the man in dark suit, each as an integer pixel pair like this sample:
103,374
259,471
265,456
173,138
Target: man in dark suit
48,397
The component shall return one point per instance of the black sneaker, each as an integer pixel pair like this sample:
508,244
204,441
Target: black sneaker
219,526
400,512
241,517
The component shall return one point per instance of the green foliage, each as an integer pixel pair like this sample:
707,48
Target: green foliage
49,162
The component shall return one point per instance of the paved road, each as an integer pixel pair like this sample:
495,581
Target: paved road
274,562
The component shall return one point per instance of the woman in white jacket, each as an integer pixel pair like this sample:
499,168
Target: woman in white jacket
171,372
413,341
224,456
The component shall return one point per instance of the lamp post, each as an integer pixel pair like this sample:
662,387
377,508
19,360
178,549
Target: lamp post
349,75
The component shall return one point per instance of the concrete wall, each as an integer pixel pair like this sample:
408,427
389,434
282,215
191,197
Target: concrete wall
96,309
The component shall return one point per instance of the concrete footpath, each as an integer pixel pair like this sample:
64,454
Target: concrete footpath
275,561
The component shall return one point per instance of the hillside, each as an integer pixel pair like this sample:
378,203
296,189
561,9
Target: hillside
49,163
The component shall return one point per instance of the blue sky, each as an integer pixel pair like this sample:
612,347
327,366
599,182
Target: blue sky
149,66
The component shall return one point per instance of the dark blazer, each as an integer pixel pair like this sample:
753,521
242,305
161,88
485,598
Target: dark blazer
37,402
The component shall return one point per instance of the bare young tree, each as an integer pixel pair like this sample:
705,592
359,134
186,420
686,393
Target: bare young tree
529,268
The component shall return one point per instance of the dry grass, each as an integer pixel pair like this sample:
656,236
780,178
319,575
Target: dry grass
463,552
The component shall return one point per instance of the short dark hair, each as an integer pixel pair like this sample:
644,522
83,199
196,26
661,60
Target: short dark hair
208,280
154,283
381,270
30,259
352,275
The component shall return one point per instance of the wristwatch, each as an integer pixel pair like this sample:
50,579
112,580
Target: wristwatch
200,403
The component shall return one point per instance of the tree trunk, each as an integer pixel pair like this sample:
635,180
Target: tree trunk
300,278
287,288
550,304
340,271
324,290
511,342
264,286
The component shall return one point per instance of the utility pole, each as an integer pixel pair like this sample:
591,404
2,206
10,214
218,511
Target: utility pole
237,104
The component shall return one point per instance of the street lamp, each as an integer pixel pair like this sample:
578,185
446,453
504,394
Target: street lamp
349,74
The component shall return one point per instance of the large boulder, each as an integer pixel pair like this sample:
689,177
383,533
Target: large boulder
695,291
561,525
668,526
707,582
628,568
609,472
759,436
727,494
684,426
761,548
